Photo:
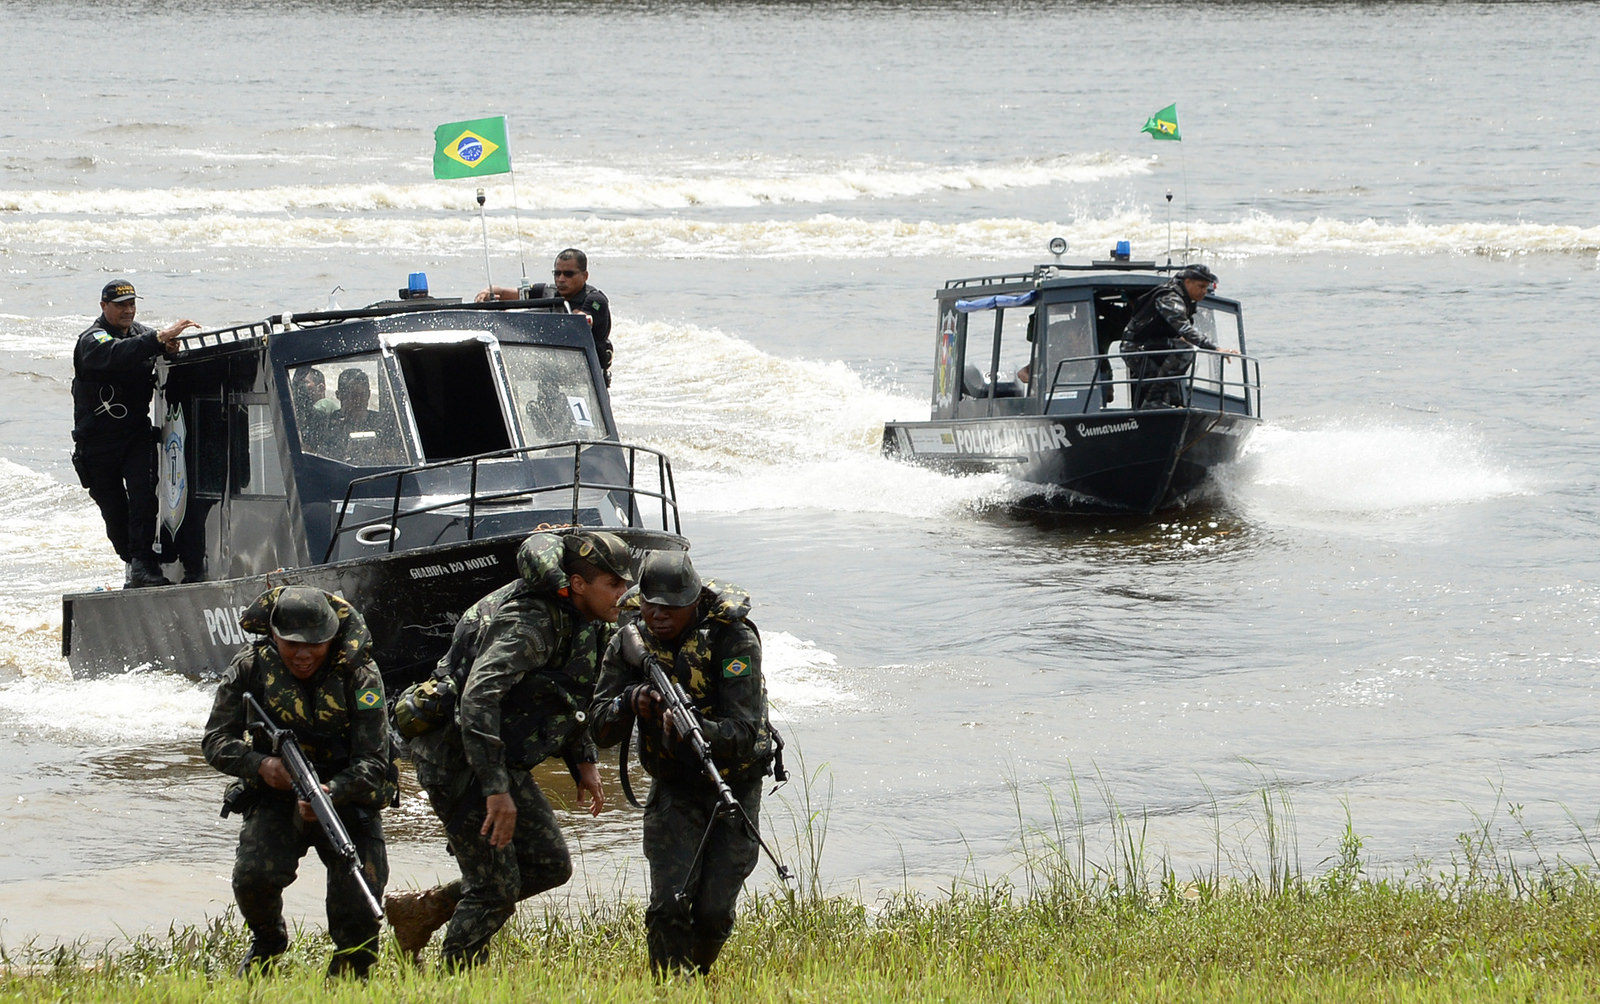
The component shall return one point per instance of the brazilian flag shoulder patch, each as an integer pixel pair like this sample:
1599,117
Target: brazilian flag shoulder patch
735,668
369,699
102,335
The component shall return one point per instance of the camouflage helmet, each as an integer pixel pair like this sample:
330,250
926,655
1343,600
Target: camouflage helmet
303,614
668,579
605,551
539,562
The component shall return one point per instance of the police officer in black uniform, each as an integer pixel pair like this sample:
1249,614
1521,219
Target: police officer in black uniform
1165,320
114,450
571,274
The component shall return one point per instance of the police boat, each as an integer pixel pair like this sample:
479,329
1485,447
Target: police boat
1032,380
395,455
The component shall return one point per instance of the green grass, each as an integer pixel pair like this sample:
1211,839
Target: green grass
1066,925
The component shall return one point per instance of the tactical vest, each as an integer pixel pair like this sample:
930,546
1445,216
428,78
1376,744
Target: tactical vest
693,666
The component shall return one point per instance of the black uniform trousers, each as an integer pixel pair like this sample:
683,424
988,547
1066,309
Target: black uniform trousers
122,483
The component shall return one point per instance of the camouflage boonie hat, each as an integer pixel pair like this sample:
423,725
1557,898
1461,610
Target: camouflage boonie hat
668,579
605,551
303,614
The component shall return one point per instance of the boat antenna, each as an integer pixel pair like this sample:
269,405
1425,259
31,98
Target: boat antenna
516,217
1169,228
482,219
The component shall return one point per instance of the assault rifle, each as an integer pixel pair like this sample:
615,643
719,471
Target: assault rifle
687,724
307,788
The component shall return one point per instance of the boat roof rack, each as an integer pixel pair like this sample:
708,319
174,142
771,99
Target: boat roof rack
221,340
1042,272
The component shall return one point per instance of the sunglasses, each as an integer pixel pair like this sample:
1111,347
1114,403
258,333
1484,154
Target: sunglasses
564,273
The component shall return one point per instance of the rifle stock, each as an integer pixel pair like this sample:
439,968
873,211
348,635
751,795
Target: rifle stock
308,789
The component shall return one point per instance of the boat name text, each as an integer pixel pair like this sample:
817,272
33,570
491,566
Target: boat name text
454,567
1131,425
1011,438
222,623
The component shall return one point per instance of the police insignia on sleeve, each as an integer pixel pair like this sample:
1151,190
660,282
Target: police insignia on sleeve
735,668
369,699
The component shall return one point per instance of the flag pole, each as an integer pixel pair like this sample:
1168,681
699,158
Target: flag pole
1169,228
516,213
484,221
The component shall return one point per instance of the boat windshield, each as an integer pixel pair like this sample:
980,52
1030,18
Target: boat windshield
553,392
345,410
1213,372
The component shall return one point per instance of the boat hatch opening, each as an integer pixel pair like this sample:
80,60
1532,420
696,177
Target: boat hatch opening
455,398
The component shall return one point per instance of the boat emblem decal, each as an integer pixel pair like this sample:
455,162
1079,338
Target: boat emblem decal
174,469
946,362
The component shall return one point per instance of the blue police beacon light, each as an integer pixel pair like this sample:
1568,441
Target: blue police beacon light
1124,251
416,285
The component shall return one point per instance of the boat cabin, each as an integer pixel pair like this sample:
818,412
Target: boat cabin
1047,342
315,438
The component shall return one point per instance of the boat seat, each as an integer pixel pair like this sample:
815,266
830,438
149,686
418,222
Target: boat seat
974,385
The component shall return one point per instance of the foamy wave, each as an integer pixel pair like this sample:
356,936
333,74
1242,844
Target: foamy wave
565,187
819,236
1369,469
768,447
799,674
136,707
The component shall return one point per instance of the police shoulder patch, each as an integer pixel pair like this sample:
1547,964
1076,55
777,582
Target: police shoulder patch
101,335
735,668
369,699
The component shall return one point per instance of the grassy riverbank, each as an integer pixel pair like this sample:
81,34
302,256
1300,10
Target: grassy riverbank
1362,942
1484,925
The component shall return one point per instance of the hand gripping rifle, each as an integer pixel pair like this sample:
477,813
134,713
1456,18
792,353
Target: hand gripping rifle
687,724
307,788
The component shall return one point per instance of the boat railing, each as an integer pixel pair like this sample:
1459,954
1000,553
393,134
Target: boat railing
1244,389
641,462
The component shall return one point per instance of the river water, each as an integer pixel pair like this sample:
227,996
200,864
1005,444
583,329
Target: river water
1389,609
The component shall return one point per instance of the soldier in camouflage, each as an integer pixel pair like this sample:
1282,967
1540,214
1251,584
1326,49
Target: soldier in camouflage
700,634
525,659
314,675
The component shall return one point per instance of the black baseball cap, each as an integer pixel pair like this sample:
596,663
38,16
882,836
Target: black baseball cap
118,291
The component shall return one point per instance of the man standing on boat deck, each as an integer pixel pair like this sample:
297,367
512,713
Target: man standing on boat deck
524,660
314,675
1164,319
571,274
700,634
114,446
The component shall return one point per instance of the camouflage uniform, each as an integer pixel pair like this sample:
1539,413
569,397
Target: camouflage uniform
338,718
1164,320
719,665
530,662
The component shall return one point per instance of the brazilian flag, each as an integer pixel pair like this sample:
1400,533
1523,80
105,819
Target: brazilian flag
1164,124
471,149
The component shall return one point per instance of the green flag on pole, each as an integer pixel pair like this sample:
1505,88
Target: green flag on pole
471,149
1164,124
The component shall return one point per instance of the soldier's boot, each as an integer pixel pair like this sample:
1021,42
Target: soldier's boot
351,962
416,915
145,572
261,959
